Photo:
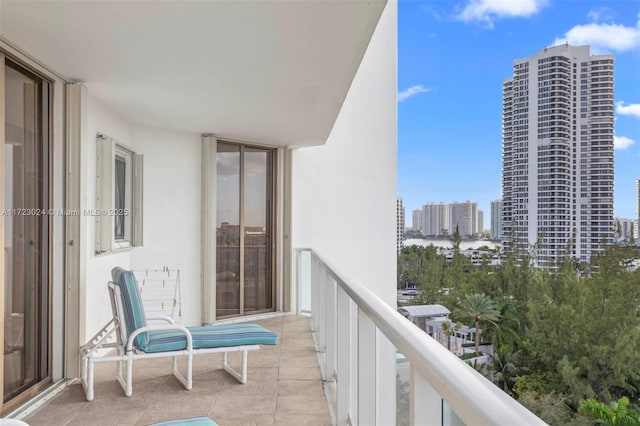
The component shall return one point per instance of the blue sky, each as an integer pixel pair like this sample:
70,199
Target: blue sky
452,59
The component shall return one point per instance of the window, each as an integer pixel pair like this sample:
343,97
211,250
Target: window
118,209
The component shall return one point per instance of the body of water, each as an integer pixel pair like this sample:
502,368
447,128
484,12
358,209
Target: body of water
464,245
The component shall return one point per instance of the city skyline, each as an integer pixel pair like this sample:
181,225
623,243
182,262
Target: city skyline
453,58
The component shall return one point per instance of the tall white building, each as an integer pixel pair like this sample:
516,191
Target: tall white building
480,222
465,217
435,219
496,219
557,153
417,217
399,224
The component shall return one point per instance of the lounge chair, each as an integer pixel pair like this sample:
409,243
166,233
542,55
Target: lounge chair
136,339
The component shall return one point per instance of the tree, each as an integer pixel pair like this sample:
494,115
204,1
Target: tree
506,365
505,329
455,240
448,329
584,331
616,414
476,308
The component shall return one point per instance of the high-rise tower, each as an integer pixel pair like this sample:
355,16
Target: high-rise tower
557,154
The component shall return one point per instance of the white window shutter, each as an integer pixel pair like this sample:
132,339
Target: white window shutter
105,156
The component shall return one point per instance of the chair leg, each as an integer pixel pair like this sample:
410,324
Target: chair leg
89,378
189,383
129,389
245,355
242,376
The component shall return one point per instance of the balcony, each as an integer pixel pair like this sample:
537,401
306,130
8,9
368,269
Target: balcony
288,382
284,387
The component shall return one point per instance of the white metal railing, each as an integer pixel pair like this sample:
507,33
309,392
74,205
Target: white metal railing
346,318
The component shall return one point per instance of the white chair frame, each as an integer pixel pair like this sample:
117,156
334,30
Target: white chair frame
127,353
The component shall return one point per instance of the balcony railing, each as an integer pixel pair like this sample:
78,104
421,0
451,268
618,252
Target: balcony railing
347,316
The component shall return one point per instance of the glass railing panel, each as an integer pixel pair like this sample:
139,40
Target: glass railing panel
403,391
449,417
304,281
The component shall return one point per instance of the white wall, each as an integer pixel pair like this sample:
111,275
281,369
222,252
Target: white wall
344,193
171,223
172,210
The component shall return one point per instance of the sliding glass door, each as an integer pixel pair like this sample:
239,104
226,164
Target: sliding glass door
244,230
25,201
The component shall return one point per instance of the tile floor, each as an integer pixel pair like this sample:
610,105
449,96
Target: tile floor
284,388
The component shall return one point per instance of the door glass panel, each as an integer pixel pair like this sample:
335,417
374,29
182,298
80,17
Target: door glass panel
244,282
257,231
228,230
26,234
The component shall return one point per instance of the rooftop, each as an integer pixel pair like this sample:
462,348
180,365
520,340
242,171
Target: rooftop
425,310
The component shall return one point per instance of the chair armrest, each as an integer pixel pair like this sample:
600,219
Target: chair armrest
162,318
141,330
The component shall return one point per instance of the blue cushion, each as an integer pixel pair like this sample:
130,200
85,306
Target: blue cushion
194,421
210,336
134,314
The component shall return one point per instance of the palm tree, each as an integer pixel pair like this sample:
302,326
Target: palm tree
505,330
478,307
616,414
448,329
505,365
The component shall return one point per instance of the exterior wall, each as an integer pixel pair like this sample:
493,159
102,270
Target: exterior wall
400,225
496,219
465,217
355,172
172,210
637,224
435,218
171,203
100,119
416,220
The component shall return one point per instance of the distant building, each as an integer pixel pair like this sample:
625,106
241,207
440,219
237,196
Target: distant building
416,220
464,216
399,223
441,219
625,229
636,232
557,154
435,219
496,219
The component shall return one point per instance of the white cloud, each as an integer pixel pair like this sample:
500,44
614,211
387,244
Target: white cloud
622,142
600,14
486,11
603,36
631,109
411,91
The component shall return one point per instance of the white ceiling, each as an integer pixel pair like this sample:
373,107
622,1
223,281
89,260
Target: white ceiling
275,72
